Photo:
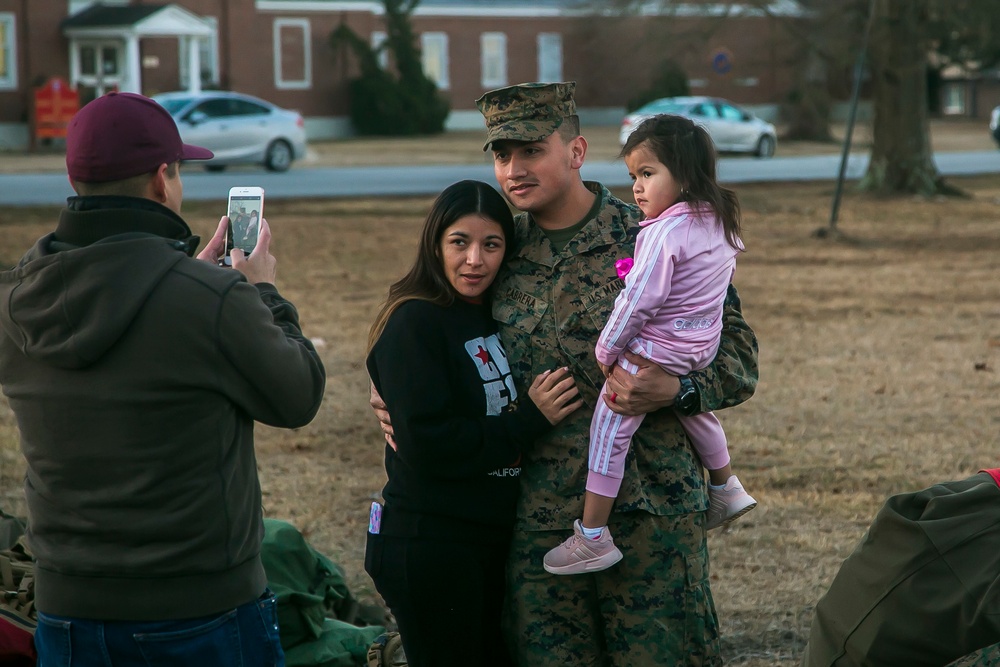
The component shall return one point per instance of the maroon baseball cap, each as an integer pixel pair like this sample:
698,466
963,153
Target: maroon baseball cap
121,135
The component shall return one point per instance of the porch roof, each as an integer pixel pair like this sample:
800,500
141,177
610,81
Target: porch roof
135,20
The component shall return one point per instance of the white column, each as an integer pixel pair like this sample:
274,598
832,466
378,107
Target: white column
74,63
194,64
132,81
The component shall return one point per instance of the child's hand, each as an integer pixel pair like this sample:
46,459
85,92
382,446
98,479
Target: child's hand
555,394
605,370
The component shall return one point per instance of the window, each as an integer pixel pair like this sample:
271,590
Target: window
217,108
292,54
954,99
208,55
493,47
731,113
550,61
705,111
247,108
378,40
434,56
8,52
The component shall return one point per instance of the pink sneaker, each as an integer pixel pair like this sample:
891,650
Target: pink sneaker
579,554
728,503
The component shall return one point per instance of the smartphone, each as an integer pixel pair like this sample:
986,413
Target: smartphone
246,210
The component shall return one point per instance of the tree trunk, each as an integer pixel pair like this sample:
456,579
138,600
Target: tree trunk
901,158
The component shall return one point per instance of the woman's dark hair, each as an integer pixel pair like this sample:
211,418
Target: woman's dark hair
426,279
687,151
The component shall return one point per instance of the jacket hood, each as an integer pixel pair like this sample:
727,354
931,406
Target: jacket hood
66,304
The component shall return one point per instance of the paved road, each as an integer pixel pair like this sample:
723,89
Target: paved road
52,189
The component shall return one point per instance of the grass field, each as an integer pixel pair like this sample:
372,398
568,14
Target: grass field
879,357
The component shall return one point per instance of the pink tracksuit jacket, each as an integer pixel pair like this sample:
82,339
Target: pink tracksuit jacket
670,312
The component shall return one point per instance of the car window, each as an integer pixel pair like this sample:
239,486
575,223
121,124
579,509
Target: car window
217,108
175,104
247,108
705,110
730,112
660,106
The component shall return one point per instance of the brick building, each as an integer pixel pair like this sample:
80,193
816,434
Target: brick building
280,50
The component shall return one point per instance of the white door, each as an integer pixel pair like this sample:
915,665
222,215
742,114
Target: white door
101,68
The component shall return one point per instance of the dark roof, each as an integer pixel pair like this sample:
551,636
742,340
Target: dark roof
506,4
490,4
104,16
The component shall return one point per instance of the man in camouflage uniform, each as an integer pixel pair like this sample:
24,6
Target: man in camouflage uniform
655,607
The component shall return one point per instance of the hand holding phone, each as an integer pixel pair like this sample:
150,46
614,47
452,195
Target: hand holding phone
246,211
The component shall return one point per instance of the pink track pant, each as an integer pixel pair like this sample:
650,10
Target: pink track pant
611,433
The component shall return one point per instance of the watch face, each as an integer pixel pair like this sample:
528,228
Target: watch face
687,398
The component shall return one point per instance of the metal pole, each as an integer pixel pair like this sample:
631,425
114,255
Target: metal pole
852,114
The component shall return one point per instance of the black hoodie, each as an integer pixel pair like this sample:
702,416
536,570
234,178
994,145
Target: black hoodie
136,373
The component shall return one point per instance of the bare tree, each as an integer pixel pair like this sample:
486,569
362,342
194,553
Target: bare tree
901,159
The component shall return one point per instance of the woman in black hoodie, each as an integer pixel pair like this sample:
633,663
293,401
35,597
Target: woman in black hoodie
436,550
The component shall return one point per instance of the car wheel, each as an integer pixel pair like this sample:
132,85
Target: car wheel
765,147
215,167
279,156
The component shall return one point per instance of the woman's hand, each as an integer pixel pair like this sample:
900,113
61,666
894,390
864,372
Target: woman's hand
555,394
382,414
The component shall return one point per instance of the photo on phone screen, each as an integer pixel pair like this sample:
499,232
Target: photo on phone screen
246,209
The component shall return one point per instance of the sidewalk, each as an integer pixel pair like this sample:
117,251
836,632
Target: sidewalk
465,147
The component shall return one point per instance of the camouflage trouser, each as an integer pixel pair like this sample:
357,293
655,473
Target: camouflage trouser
653,608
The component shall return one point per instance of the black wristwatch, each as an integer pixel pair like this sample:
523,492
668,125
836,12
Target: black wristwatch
687,402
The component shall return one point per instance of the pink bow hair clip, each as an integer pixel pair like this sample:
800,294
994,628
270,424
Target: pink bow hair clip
623,266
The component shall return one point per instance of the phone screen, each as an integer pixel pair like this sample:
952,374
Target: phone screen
244,221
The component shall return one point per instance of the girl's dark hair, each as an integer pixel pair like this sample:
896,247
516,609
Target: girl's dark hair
426,279
687,151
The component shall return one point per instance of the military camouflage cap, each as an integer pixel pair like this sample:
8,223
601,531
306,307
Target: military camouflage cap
526,112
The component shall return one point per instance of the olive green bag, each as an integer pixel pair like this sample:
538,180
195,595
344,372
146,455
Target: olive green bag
18,618
17,574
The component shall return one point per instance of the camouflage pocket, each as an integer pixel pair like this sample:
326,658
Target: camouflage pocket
523,313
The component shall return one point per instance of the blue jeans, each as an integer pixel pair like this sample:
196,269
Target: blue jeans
243,637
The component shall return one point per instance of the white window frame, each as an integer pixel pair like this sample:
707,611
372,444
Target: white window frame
379,38
306,82
209,54
8,81
953,99
493,59
434,58
550,57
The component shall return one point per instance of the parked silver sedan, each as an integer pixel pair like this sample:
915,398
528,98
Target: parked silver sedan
732,129
239,129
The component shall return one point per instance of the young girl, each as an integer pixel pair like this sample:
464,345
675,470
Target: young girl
670,313
437,549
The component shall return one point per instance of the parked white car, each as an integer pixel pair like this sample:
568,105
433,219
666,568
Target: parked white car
732,129
239,129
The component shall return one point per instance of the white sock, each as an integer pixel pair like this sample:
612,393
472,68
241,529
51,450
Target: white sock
720,487
592,533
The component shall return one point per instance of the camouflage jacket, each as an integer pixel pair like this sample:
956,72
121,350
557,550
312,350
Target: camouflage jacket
551,308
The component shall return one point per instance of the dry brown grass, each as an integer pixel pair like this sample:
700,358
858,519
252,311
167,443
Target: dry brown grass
879,359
